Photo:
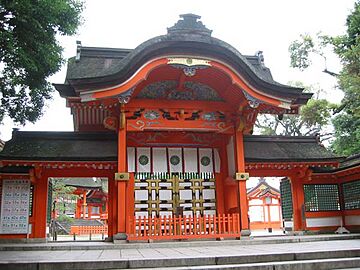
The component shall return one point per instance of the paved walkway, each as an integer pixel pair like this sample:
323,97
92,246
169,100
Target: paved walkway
106,251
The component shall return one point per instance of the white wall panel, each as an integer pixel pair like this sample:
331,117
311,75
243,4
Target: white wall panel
159,159
352,220
231,157
190,159
323,222
131,159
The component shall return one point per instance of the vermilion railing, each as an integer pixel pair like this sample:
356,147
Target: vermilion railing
81,230
221,226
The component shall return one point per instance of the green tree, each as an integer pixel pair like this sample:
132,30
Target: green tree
314,118
347,48
30,53
63,196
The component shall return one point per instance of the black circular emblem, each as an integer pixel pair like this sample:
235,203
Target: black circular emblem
174,160
143,160
205,161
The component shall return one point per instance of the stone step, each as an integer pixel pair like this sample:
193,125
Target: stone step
280,261
83,245
322,264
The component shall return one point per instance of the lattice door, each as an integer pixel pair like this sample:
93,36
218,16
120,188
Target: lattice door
183,194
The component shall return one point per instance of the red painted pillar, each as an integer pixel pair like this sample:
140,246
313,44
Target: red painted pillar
89,211
84,204
78,208
240,166
220,179
112,207
130,200
298,196
40,206
121,185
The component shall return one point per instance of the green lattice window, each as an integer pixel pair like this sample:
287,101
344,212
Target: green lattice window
321,198
351,192
286,199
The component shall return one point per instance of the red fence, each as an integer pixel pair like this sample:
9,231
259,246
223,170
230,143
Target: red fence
81,230
143,228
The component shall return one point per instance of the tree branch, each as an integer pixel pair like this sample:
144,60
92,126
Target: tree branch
330,72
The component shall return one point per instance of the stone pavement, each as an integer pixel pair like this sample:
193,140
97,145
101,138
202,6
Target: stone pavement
180,253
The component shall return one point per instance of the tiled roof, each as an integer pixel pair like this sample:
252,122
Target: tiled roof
284,148
95,68
102,146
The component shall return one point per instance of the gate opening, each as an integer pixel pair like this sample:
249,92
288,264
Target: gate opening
265,198
77,209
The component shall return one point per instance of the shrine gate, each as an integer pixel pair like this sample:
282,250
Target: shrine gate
170,125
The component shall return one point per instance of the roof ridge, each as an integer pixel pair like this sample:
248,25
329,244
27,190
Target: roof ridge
280,138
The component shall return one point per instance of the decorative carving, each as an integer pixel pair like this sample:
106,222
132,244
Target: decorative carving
188,138
194,116
166,114
209,116
188,65
157,90
111,123
189,24
203,138
123,176
205,161
242,176
202,91
151,115
139,125
189,71
143,160
253,102
223,127
189,62
125,97
260,57
167,90
142,138
174,160
180,95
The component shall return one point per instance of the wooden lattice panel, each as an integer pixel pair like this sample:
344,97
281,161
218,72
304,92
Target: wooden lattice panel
176,195
351,191
324,197
286,199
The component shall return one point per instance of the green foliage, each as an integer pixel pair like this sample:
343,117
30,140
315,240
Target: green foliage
347,133
347,123
312,119
300,50
65,218
347,48
316,113
63,196
30,53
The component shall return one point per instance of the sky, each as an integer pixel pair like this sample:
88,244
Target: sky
249,26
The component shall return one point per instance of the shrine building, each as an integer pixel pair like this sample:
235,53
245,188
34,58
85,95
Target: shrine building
169,124
264,206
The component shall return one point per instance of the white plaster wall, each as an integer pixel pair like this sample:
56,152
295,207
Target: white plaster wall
352,220
231,157
323,222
